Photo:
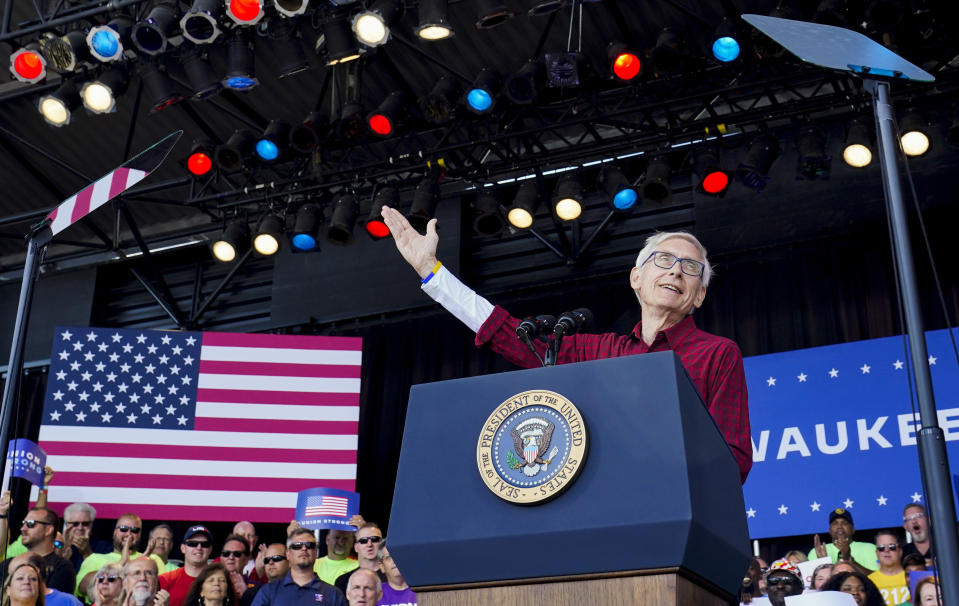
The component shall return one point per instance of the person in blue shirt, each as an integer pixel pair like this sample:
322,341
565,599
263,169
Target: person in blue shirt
301,585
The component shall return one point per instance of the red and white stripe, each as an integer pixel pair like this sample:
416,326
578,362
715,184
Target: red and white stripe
93,197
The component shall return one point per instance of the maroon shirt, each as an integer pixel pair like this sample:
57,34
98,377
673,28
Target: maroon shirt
714,364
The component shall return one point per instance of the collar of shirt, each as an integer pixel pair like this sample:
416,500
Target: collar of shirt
673,335
288,580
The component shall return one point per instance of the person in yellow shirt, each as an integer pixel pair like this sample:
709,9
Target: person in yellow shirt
890,579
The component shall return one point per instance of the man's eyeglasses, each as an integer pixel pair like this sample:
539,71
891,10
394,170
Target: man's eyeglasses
665,260
202,544
298,545
130,529
782,580
887,547
366,540
226,553
105,579
86,524
274,559
914,516
33,523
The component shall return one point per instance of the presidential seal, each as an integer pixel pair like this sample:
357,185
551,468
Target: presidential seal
532,447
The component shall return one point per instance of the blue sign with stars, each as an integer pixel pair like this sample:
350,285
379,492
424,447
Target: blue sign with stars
123,378
834,427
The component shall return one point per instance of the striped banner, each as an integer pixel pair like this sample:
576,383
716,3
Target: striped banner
208,426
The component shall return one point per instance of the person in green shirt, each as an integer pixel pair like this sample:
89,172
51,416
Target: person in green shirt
862,556
126,541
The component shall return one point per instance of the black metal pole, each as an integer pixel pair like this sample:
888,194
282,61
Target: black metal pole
35,247
933,461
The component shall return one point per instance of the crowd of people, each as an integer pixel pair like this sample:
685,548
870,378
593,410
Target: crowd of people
885,572
51,564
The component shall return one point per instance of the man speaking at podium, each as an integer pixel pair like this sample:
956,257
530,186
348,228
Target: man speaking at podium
669,279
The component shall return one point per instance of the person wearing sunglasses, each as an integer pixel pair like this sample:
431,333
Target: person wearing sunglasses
916,523
38,532
782,579
369,537
234,556
669,279
275,566
890,579
107,585
197,546
126,541
301,585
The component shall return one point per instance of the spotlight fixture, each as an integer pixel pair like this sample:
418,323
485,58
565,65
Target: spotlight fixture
305,137
64,53
245,12
291,8
433,23
305,227
236,152
725,45
239,61
200,160
667,55
624,64
234,241
832,12
343,220
199,73
150,35
914,133
656,186
372,26
425,197
539,8
201,24
57,107
352,126
490,13
622,194
375,226
273,143
568,199
100,95
523,86
754,169
383,121
857,150
487,219
481,97
106,41
285,40
437,107
812,162
162,91
339,41
523,210
709,177
28,65
268,234
564,69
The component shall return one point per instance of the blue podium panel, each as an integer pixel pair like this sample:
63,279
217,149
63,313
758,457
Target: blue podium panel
659,486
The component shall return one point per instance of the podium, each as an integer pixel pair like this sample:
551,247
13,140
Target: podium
655,516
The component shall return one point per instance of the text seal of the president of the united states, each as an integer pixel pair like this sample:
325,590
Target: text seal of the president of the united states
532,447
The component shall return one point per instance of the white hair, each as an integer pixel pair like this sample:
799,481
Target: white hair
379,584
80,507
658,238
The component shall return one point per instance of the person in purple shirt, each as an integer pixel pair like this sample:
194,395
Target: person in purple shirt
396,592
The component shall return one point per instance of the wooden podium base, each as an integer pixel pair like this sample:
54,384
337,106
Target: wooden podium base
661,587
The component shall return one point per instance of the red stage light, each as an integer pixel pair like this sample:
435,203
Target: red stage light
380,124
199,163
715,182
246,11
28,66
627,66
377,228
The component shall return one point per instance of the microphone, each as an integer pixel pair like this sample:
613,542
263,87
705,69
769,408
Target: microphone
571,322
535,327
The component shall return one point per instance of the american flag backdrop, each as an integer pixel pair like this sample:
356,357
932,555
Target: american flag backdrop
199,426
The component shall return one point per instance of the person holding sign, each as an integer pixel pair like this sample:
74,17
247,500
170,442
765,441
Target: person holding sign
670,279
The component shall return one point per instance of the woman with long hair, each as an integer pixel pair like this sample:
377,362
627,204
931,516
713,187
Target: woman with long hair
107,585
856,584
212,587
23,587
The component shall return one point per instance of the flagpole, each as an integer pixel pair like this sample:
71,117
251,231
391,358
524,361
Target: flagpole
36,245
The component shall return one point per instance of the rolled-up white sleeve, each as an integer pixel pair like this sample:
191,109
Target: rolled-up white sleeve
458,299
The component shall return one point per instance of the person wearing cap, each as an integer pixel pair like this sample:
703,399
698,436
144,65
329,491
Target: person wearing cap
862,556
196,547
782,579
126,541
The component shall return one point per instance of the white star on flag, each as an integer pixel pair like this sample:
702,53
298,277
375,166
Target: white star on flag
848,503
814,506
865,369
916,497
932,360
833,373
783,509
881,500
750,513
771,382
802,377
66,335
897,364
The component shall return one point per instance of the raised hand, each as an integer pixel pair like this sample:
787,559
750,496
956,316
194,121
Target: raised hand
418,250
819,548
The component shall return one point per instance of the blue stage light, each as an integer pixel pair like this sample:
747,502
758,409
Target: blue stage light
479,99
267,150
726,49
105,43
240,82
625,198
304,242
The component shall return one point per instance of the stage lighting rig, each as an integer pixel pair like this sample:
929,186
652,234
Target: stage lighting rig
291,8
99,95
273,144
339,41
285,40
539,8
65,53
857,150
372,26
487,219
568,198
343,219
523,87
201,24
726,47
382,122
199,73
268,234
812,162
622,194
305,227
565,69
161,90
433,24
481,97
709,177
245,12
490,13
200,160
151,35
667,55
523,210
305,137
438,106
754,169
57,107
914,133
624,64
656,187
106,42
240,61
375,226
235,154
233,242
28,64
425,197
